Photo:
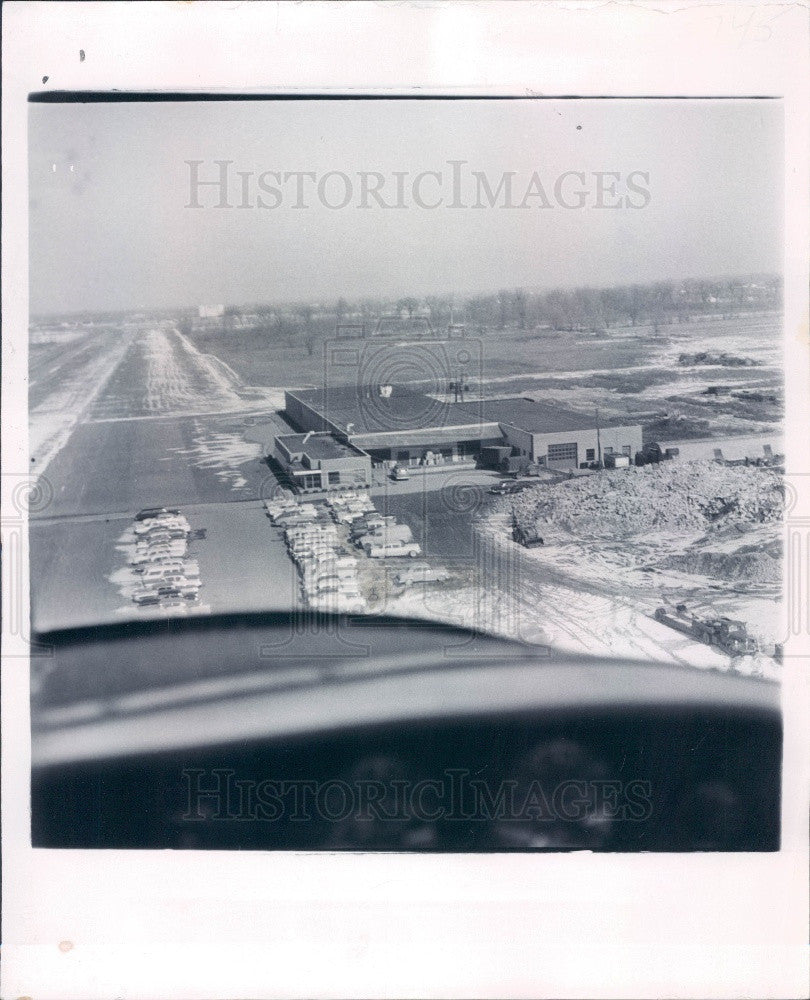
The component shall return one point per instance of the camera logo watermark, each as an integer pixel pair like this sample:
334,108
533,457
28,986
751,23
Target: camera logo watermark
24,496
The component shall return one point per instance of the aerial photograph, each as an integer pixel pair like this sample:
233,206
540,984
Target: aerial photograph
409,474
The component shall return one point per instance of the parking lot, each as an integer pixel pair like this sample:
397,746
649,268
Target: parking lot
349,555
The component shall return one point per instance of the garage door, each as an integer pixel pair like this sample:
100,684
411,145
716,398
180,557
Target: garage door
562,454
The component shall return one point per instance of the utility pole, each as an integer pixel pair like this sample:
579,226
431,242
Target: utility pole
598,440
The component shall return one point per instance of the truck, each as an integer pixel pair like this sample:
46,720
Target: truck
727,634
520,465
650,454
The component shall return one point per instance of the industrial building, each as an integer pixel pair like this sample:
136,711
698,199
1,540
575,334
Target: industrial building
394,424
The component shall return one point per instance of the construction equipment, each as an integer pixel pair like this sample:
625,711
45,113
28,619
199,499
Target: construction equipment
525,535
519,465
727,634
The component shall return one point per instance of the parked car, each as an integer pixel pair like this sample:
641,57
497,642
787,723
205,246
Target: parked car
421,573
398,533
144,598
387,550
173,567
148,512
399,473
157,555
160,531
365,525
152,523
503,488
176,591
179,604
157,572
165,545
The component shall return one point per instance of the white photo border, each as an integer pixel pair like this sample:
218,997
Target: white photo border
82,924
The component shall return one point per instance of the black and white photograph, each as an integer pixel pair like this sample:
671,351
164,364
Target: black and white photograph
411,482
409,477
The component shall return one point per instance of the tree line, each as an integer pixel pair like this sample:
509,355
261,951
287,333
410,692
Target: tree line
576,309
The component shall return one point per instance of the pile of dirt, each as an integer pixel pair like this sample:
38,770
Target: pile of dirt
746,565
676,496
706,358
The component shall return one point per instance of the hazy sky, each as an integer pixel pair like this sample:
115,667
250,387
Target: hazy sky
109,189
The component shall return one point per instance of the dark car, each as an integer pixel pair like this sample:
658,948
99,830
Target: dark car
149,512
503,488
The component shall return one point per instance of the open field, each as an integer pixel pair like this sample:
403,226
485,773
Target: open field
624,371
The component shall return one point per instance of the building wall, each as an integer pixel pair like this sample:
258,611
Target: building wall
305,416
354,470
617,438
520,439
453,451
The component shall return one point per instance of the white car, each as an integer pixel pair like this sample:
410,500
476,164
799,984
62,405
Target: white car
162,553
153,545
339,602
421,573
156,573
317,528
150,541
312,537
314,553
330,571
397,533
153,524
162,529
388,550
179,604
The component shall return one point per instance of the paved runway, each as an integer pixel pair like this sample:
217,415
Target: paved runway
161,431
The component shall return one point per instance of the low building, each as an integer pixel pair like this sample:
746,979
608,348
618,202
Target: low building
396,424
317,461
211,312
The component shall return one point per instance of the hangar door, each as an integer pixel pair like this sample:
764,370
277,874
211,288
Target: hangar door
562,455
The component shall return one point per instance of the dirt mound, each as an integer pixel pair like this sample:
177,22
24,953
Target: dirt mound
677,496
747,565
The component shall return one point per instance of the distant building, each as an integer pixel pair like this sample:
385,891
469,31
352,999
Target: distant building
395,424
211,312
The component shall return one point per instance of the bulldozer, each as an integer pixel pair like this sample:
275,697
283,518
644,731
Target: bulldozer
525,535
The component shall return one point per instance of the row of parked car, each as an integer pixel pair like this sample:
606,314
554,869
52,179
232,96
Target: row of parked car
166,576
328,574
379,536
326,565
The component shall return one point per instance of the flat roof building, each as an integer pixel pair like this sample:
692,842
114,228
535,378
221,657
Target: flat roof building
397,424
317,461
